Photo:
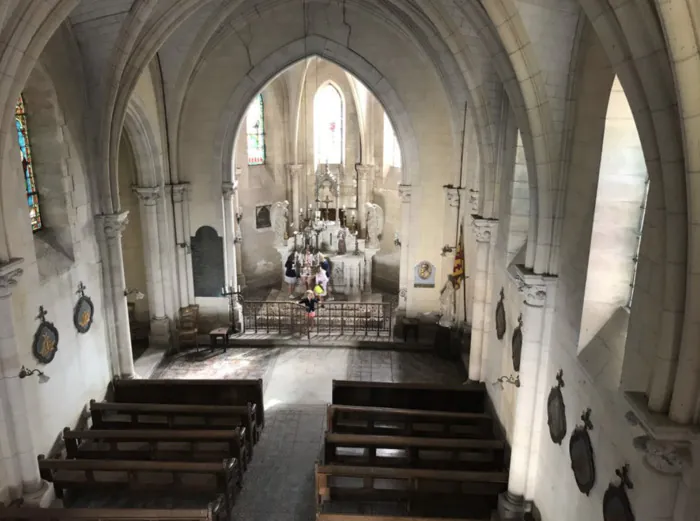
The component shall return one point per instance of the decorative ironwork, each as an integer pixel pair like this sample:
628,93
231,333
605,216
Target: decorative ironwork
45,342
556,411
501,317
581,454
616,503
334,318
84,311
517,343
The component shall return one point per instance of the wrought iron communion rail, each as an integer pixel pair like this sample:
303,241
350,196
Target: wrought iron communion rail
333,319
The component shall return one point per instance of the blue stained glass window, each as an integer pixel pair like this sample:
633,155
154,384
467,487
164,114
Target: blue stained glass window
27,166
255,130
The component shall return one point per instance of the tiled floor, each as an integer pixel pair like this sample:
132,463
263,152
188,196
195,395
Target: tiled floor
279,484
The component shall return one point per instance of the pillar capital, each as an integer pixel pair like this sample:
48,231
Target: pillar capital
179,191
294,169
532,286
228,188
405,193
668,458
364,171
114,223
148,195
483,228
453,194
10,273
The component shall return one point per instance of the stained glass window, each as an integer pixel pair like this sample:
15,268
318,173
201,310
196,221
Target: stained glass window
392,152
27,166
328,125
255,129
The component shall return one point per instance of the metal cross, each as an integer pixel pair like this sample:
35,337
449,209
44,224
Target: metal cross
81,289
42,314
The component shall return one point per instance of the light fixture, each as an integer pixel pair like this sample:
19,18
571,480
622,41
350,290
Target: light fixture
133,292
24,372
447,249
185,246
397,241
514,380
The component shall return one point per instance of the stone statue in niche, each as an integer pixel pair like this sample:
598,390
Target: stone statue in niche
375,224
342,245
278,216
447,302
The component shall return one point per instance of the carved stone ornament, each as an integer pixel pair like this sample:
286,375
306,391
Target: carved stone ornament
665,457
10,273
405,193
228,189
482,230
616,503
148,195
501,317
84,311
114,224
556,411
581,454
45,342
517,343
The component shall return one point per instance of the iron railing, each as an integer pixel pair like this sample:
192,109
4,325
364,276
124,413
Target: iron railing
334,318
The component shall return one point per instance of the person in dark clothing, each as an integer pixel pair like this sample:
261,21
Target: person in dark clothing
309,302
290,273
326,266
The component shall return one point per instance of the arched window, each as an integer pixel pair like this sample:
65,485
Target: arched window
255,129
27,166
328,125
392,152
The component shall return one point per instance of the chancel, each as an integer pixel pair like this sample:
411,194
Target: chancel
383,260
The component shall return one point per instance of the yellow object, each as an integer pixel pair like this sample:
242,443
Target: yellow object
319,290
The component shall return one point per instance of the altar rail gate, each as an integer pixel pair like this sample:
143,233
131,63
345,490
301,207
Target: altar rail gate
334,318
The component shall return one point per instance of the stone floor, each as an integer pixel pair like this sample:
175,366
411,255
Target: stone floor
279,484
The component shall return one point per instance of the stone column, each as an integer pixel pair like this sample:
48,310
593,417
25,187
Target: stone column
364,174
482,233
489,309
182,242
113,226
239,253
511,504
18,447
229,194
160,325
188,235
404,268
294,173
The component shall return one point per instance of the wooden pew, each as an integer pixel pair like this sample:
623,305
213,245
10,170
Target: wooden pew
327,516
152,479
425,453
473,494
464,398
215,511
112,415
192,392
353,419
157,445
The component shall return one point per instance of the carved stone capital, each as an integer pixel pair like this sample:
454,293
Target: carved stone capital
364,172
10,273
665,457
114,224
148,195
405,193
483,229
535,296
179,191
454,195
294,169
228,189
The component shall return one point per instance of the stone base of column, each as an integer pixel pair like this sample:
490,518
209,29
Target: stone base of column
510,507
238,318
43,497
160,332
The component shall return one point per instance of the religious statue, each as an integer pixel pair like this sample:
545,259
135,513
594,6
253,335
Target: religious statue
447,302
278,216
342,245
375,224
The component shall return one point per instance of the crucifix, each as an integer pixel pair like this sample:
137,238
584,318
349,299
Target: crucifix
327,201
42,314
81,289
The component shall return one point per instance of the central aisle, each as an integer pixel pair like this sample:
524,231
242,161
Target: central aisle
279,485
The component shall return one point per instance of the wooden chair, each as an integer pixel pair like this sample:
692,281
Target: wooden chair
188,328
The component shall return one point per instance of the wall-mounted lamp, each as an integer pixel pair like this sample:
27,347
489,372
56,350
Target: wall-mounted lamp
186,247
24,372
514,380
447,249
397,241
133,292
239,216
237,239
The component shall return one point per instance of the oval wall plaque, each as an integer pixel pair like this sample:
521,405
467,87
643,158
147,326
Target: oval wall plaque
501,317
517,343
581,454
45,342
616,503
83,312
556,411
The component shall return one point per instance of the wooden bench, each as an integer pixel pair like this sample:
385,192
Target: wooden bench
353,419
112,415
426,453
192,392
75,478
157,445
326,516
473,494
464,398
214,512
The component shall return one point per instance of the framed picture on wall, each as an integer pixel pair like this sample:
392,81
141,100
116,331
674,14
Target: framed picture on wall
262,217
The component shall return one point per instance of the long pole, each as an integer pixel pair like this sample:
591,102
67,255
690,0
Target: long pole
460,227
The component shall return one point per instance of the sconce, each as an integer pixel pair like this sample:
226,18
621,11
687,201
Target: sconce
186,246
397,241
133,292
237,239
447,249
514,380
239,216
24,372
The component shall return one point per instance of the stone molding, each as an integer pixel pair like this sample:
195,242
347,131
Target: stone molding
148,195
179,191
228,189
454,195
483,228
364,171
405,193
114,223
10,273
533,287
662,456
294,169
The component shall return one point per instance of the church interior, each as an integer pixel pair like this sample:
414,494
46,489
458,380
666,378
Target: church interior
349,260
